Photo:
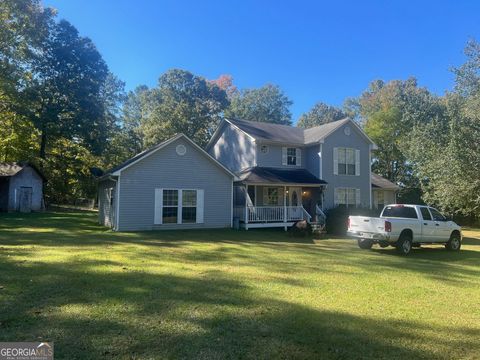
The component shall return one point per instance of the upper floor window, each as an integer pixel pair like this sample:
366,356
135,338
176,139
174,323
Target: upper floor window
291,156
264,149
346,161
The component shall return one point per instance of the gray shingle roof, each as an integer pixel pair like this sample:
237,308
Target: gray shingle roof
263,175
9,169
382,183
287,134
270,132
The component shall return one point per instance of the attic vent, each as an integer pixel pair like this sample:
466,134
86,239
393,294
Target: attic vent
264,149
181,150
346,130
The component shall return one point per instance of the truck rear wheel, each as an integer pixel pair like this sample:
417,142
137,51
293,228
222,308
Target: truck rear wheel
365,243
404,244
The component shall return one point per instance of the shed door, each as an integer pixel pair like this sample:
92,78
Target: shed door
25,199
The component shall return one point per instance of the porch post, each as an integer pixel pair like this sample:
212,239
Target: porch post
246,207
285,206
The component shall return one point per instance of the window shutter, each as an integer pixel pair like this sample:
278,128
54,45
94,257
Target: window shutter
335,196
158,206
179,206
200,206
281,195
284,156
298,153
335,161
357,197
357,162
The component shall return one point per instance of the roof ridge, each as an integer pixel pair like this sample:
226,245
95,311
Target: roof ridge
264,122
258,129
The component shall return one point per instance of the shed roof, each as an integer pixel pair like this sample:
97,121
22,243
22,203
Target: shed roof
9,169
267,175
382,183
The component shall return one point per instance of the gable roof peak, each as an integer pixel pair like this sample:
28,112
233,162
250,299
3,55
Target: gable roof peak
140,156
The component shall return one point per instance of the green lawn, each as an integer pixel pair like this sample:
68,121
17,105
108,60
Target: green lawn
231,294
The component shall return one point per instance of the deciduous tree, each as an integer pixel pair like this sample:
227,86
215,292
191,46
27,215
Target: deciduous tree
265,104
320,114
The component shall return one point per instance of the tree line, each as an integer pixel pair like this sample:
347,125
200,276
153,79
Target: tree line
62,108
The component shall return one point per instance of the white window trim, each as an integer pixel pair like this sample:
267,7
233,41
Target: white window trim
265,195
336,161
158,206
346,189
297,156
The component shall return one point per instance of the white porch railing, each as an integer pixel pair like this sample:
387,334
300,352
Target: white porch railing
275,214
321,217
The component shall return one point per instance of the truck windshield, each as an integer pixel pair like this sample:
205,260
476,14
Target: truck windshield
400,212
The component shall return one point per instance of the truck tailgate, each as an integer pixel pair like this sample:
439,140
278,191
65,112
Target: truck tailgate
365,224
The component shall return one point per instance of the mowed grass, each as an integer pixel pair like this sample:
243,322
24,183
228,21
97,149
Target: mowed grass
231,294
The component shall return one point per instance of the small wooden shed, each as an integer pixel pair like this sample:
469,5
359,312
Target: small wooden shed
21,187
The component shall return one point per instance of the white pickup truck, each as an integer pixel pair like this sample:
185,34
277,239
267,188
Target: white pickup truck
404,227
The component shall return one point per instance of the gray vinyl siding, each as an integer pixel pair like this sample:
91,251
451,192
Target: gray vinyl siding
166,169
234,149
273,158
27,177
356,141
106,207
312,160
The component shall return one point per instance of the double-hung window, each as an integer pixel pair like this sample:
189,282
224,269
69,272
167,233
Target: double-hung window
291,156
271,196
189,206
178,206
170,207
346,161
347,197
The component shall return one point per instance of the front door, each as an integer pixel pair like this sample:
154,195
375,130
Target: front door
295,203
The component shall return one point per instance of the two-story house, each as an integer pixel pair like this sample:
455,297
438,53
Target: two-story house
263,175
286,173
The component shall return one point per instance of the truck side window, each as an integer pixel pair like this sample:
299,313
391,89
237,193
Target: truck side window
436,215
425,213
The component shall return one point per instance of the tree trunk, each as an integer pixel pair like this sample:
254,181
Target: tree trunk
43,143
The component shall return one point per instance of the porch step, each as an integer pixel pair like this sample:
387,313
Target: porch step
318,228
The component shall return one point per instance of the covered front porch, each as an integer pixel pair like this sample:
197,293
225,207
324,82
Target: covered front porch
262,204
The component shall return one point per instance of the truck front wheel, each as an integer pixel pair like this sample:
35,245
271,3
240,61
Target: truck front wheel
365,243
454,243
404,244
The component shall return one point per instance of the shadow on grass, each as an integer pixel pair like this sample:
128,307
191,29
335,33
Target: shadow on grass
133,314
102,309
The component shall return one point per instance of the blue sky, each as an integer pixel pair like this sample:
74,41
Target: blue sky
315,50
